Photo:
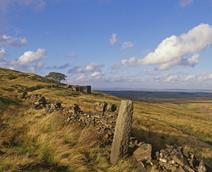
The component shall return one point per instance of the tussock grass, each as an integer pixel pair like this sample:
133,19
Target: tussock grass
36,141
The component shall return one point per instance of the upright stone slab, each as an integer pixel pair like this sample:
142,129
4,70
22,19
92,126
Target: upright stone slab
122,131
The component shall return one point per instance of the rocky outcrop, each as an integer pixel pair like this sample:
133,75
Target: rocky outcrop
122,132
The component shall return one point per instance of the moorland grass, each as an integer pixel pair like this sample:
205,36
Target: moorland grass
33,140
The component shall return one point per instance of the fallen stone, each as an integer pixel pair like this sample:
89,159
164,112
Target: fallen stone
179,169
100,106
143,153
162,160
202,167
40,103
111,108
77,109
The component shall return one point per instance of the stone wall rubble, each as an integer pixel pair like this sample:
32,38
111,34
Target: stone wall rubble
104,120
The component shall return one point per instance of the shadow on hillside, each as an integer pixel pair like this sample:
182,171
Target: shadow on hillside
159,141
43,166
8,101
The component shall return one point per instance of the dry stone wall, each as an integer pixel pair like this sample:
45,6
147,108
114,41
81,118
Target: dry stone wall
114,128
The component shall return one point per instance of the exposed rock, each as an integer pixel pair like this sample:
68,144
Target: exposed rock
143,153
202,167
57,105
54,106
179,169
40,103
111,108
122,131
77,109
175,159
134,143
100,106
104,107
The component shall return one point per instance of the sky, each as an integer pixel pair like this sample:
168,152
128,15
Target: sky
111,44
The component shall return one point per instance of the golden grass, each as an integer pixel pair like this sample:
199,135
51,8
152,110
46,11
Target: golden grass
30,137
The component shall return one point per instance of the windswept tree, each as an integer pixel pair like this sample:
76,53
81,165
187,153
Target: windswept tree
56,76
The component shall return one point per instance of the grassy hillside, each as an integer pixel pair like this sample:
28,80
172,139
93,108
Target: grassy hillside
32,140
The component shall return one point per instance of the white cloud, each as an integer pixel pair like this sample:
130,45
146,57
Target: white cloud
30,56
131,61
30,61
88,68
193,60
2,52
189,77
178,50
127,44
13,41
97,75
186,78
172,78
204,77
113,39
185,3
86,73
176,47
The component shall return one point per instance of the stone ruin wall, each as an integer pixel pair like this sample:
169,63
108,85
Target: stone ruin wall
82,89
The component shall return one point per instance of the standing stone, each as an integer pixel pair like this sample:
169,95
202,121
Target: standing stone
122,131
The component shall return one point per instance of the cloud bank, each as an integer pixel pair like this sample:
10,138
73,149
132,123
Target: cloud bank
177,50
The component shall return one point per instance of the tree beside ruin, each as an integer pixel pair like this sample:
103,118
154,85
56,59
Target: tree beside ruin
56,76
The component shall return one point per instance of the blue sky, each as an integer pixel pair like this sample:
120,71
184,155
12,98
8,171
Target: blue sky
131,44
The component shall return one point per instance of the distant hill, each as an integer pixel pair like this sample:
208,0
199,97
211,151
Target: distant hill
159,95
